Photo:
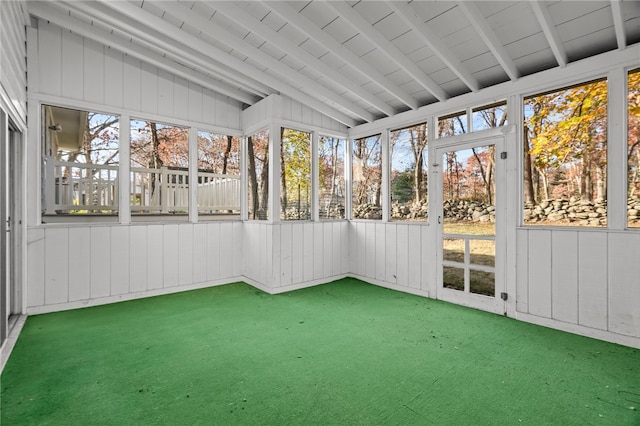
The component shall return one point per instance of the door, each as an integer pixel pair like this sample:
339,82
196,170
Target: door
5,227
470,252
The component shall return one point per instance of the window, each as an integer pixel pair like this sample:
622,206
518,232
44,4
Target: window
633,156
489,116
218,174
565,156
408,159
295,175
81,156
453,124
258,175
332,187
367,178
159,168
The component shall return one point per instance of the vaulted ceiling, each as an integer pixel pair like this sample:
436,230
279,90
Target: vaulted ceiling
355,61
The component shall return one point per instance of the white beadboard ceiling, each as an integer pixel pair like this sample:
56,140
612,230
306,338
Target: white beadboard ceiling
355,61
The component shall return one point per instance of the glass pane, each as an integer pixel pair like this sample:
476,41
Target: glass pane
408,150
218,174
565,159
453,250
489,116
481,282
454,124
332,187
482,252
468,180
633,159
81,151
453,278
159,168
295,175
258,175
367,178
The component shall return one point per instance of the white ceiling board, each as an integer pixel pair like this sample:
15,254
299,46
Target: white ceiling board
567,11
362,58
585,25
372,11
596,41
315,11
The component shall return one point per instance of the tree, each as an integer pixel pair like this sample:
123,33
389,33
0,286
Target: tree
295,175
258,173
566,132
633,137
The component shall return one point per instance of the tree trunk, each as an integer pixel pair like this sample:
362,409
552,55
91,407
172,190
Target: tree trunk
283,175
264,186
529,196
253,181
227,152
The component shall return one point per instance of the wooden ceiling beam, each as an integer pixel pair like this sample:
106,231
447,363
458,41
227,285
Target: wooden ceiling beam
550,32
305,25
185,14
432,40
242,18
618,24
488,36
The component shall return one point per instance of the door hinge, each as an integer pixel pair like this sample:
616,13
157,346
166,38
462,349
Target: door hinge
504,296
503,155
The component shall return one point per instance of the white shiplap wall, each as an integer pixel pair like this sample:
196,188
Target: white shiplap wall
397,255
13,66
74,266
585,281
288,111
77,71
289,255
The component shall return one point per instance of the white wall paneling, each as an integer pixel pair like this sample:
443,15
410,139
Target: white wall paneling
79,263
200,253
592,280
171,255
72,266
185,254
100,262
580,280
155,264
564,276
624,283
138,258
35,260
72,68
120,258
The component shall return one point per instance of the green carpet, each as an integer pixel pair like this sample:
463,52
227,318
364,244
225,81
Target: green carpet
338,354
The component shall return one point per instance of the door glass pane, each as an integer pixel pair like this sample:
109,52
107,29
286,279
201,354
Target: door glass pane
453,250
469,191
482,252
482,282
453,278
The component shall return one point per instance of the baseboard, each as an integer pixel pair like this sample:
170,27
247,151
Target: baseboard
581,330
35,310
10,342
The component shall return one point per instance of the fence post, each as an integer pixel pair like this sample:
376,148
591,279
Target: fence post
164,199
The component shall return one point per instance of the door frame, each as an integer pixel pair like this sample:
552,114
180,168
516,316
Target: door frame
486,303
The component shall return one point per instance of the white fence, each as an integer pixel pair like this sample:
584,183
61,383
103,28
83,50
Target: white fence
77,188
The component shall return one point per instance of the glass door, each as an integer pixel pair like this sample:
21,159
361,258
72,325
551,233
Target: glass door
469,270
